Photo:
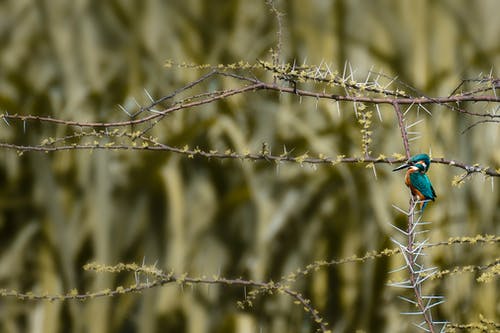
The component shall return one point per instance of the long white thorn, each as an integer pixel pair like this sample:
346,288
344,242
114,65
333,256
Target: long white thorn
155,111
422,326
413,124
408,109
425,109
401,210
378,112
352,72
399,269
394,79
124,110
343,73
398,229
149,96
374,171
415,313
5,120
408,300
402,284
328,71
369,74
415,138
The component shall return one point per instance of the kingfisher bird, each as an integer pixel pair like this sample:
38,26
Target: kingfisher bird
416,179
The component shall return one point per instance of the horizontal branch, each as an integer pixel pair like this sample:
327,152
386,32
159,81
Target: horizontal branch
479,239
157,114
254,85
264,156
160,278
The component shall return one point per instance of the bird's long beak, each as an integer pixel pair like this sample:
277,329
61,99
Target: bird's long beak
402,166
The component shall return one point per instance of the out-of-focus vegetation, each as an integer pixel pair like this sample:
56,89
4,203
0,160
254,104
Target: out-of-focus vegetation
77,60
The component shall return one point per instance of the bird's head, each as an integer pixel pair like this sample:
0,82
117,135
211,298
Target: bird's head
421,162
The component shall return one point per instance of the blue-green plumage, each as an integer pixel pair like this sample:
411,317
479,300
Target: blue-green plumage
417,180
420,186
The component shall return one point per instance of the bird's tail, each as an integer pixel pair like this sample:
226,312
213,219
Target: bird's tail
423,204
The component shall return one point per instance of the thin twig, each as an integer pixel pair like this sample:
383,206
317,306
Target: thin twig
479,122
402,128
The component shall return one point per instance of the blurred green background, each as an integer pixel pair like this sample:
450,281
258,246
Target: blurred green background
77,60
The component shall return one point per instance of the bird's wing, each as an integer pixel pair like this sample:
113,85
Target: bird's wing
432,189
422,183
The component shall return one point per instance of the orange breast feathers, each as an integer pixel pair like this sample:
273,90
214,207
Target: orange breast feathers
413,190
410,170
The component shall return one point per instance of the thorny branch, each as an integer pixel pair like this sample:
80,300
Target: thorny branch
260,85
256,84
302,159
345,89
402,128
159,278
395,98
413,265
279,32
410,250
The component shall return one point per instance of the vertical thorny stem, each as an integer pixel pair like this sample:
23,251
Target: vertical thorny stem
402,127
279,34
412,266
